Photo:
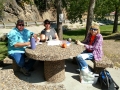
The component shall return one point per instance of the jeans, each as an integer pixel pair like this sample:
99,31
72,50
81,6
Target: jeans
82,57
20,60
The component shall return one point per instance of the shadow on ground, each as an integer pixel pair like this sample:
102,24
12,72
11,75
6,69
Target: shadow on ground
71,82
37,75
71,68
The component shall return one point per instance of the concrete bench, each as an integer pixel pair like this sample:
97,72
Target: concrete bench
104,63
15,67
98,66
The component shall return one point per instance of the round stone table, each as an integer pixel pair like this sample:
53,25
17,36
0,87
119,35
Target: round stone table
53,57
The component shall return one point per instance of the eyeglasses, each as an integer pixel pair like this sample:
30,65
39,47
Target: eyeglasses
47,23
20,24
93,29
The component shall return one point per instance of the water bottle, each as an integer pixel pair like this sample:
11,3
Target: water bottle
32,42
50,38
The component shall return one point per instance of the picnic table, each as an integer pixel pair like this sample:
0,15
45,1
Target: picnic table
54,59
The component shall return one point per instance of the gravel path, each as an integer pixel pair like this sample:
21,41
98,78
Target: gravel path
9,81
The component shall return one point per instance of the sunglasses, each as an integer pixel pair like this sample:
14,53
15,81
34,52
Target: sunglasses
47,23
93,29
20,24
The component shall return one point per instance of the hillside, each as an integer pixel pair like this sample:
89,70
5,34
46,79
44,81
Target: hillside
16,9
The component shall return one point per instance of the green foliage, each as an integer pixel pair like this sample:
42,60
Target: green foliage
3,50
75,9
43,5
105,7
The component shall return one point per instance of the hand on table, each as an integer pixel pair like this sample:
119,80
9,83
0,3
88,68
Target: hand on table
79,43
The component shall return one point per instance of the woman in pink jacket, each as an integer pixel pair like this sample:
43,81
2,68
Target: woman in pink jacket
93,49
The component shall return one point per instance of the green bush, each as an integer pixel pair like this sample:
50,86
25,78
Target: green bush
3,50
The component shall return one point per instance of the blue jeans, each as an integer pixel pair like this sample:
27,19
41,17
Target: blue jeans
20,60
82,57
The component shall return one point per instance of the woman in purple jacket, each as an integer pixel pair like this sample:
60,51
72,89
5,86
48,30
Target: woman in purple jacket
93,49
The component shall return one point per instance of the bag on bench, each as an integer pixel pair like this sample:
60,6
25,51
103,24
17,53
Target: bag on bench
106,81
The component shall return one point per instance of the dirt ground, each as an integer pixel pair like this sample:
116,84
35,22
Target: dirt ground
111,49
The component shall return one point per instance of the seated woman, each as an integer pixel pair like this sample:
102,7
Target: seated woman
48,33
93,51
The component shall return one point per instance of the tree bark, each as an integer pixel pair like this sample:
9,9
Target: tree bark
59,24
90,15
115,27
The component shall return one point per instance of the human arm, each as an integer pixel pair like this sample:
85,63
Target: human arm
16,41
56,36
43,38
37,39
19,39
79,43
22,44
97,44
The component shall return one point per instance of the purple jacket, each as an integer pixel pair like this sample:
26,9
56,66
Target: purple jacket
96,46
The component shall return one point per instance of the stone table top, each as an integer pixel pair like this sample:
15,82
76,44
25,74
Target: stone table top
45,52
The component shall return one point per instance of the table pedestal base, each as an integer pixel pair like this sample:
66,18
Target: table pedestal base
54,71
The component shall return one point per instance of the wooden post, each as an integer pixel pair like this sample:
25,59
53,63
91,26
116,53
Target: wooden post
4,25
59,23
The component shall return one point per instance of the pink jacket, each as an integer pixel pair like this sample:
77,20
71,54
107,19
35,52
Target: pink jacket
96,46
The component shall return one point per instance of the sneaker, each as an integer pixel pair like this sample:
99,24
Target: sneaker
25,72
74,61
89,74
87,78
87,81
78,70
65,65
31,70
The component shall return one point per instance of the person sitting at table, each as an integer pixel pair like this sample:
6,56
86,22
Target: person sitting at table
93,49
18,40
48,33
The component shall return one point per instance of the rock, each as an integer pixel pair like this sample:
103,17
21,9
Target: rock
7,61
14,10
3,36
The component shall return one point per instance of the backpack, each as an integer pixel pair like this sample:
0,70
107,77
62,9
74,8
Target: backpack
106,81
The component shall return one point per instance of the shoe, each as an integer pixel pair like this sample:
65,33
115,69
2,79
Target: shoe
86,81
31,70
74,61
65,65
78,70
25,72
87,78
88,74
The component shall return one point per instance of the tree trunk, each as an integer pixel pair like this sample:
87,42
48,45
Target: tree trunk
90,15
59,24
115,27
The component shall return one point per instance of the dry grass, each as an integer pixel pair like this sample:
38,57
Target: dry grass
111,49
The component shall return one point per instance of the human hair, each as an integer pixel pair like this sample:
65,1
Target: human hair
96,27
47,21
19,21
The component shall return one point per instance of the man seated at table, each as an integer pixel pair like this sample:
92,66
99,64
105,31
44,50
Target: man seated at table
18,40
48,33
